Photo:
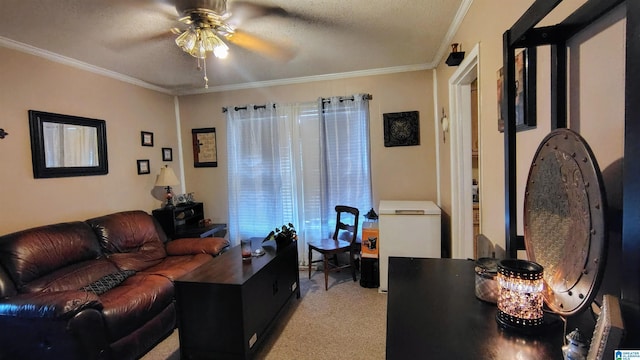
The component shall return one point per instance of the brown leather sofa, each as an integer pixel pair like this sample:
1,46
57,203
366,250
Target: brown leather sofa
95,289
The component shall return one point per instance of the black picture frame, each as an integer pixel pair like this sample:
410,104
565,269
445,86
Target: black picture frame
205,152
401,128
39,120
143,167
525,89
167,154
146,138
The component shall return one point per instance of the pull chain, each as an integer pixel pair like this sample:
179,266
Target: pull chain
206,79
203,66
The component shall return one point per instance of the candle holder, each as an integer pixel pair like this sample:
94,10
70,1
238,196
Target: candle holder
520,295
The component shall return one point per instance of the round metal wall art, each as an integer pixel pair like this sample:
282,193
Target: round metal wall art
564,221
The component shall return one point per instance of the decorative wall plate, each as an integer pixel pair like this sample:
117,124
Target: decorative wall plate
401,129
564,220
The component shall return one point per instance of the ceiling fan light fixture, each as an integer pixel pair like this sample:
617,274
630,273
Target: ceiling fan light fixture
214,44
198,42
187,40
209,39
221,51
206,29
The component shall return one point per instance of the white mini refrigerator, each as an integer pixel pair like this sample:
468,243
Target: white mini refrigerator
407,229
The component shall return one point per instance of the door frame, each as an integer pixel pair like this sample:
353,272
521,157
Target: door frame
460,147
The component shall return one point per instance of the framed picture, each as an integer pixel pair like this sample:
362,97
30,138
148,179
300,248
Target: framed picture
401,129
525,91
143,167
146,138
204,147
167,154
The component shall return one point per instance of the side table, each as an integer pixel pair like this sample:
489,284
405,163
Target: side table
183,220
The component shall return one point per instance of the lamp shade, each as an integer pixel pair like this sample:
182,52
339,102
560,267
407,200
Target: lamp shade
167,177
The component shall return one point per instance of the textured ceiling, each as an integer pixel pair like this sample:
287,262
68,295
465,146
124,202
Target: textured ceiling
131,39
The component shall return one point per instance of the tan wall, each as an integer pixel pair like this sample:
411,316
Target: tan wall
30,82
404,173
597,112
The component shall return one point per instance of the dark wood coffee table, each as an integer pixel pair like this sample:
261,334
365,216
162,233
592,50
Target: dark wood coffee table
227,306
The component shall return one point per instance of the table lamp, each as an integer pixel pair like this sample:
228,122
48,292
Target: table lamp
166,179
520,297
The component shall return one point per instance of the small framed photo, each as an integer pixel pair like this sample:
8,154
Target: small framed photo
143,167
167,154
146,138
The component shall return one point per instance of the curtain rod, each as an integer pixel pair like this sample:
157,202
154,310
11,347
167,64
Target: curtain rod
351,98
255,107
324,101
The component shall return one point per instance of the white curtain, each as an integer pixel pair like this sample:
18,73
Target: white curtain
292,163
261,174
346,160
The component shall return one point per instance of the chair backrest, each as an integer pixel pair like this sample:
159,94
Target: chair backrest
351,227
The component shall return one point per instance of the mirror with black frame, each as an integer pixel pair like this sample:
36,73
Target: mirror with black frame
64,145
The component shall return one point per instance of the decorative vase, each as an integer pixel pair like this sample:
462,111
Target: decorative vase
282,242
283,236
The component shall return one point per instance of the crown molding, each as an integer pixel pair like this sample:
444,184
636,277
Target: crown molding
32,50
307,79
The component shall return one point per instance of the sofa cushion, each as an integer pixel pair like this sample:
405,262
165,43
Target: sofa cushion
72,277
172,267
130,239
135,301
30,254
108,282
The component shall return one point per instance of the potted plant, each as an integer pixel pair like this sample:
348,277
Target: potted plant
283,235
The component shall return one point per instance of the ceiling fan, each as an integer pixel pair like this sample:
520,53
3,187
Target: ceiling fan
209,26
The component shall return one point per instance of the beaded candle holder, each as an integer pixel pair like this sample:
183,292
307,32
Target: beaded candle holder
520,295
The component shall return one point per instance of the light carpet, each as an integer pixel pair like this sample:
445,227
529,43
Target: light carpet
345,322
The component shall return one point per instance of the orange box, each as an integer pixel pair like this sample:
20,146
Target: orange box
370,242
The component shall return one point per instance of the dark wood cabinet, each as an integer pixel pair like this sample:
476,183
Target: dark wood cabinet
185,220
227,306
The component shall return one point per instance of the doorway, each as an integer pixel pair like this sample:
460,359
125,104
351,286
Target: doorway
460,107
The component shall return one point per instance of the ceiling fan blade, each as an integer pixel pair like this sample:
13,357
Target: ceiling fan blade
249,10
246,10
270,49
161,9
135,41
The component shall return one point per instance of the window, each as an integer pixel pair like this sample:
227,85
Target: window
294,163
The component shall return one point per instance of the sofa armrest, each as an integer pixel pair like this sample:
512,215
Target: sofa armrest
49,305
192,246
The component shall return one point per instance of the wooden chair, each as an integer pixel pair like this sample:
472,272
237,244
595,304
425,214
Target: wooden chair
338,244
